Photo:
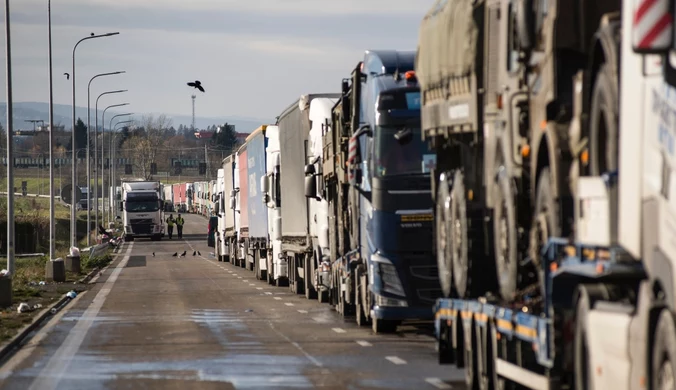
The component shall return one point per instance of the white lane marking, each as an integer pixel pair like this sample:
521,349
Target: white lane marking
396,360
288,303
259,288
438,383
58,364
252,285
268,293
298,347
302,311
239,277
338,330
278,298
364,343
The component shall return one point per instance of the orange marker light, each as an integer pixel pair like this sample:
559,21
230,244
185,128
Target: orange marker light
584,156
525,150
409,75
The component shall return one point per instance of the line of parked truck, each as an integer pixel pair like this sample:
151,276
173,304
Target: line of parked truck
511,179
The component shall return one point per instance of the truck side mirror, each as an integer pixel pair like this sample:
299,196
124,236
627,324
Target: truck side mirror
217,208
121,206
232,203
311,187
264,184
525,24
310,169
233,193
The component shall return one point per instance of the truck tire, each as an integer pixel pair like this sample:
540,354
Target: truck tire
256,267
505,233
580,343
361,303
471,372
445,351
664,352
442,235
353,215
380,326
470,279
604,135
310,291
545,222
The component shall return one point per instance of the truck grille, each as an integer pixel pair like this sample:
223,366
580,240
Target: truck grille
141,221
141,228
423,277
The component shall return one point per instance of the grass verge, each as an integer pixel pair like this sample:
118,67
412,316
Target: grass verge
28,287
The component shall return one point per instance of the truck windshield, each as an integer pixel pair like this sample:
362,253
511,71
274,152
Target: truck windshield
139,206
394,157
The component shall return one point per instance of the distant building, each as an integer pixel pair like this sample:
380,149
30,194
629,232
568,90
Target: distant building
204,134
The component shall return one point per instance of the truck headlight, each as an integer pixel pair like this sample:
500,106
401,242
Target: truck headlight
384,301
388,275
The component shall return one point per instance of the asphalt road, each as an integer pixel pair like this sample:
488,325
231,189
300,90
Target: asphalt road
164,322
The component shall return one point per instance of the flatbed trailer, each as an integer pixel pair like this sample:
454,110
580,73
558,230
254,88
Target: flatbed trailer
529,343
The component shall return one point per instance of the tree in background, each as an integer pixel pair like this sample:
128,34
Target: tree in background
80,139
144,146
224,138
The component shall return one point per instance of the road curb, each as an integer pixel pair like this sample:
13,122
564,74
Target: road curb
17,340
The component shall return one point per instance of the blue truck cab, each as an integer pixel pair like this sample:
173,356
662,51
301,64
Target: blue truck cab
389,173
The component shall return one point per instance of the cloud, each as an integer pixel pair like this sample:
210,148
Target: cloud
278,7
253,60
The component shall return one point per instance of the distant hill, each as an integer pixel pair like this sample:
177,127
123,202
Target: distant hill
62,115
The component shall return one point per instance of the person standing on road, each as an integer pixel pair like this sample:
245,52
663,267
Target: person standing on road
170,225
179,226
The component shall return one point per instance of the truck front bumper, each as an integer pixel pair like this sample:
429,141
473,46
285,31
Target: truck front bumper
402,313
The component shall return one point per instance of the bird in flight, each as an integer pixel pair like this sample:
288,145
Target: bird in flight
196,84
67,76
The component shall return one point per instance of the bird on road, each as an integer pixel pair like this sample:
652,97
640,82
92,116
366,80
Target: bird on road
67,76
175,254
183,254
196,84
198,253
153,254
194,253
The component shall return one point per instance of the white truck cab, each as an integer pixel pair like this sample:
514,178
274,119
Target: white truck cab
270,190
142,210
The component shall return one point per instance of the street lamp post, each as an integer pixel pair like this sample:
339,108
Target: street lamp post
111,164
96,154
114,159
10,161
73,222
52,222
89,126
103,139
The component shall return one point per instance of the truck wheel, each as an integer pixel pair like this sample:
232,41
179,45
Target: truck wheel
545,222
505,233
445,345
310,292
604,134
664,352
256,267
360,300
383,326
471,377
353,215
580,346
444,252
603,123
467,245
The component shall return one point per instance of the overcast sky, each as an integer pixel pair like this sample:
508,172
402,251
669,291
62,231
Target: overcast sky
254,57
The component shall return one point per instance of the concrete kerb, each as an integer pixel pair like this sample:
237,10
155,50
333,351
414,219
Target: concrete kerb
16,342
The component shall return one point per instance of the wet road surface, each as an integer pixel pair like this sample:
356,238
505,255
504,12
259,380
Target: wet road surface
162,322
